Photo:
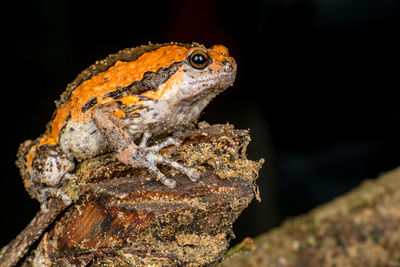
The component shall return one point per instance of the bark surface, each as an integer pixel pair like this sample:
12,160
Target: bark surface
121,216
360,228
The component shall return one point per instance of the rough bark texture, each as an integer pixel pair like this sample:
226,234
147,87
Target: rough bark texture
17,248
361,228
121,216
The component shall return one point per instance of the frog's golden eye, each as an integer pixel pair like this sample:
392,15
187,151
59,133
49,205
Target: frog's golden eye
199,59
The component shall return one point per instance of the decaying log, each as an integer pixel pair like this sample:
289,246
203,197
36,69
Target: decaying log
121,216
360,228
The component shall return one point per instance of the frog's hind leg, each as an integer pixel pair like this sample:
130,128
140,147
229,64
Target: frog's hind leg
50,164
44,167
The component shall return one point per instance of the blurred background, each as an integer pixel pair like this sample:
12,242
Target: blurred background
317,85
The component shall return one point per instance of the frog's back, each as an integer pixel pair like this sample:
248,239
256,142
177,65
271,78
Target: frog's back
100,66
114,77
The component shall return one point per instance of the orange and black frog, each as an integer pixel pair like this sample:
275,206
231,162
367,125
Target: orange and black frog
117,104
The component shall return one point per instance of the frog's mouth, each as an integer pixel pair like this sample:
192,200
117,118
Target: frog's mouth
211,87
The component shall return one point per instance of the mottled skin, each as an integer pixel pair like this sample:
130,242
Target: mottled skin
127,97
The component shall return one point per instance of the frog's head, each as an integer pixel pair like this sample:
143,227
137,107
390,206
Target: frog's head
176,84
200,74
206,72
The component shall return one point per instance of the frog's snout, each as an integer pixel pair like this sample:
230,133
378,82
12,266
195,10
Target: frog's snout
229,65
221,54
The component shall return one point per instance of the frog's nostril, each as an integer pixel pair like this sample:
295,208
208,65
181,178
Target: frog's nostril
229,64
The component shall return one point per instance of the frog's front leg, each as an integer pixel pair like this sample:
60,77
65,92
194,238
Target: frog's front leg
136,155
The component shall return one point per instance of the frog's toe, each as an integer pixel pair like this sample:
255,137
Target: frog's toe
193,176
64,197
70,177
46,193
168,142
43,207
164,180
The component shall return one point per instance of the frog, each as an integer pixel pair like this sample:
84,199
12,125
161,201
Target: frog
119,103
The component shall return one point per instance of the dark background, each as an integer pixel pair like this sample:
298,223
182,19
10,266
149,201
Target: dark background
317,84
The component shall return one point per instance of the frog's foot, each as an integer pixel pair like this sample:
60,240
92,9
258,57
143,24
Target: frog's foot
149,157
48,192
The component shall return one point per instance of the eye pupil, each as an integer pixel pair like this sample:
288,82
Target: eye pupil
199,59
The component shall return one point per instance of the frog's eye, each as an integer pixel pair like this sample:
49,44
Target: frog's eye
199,59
